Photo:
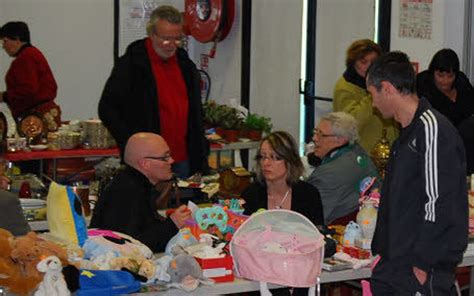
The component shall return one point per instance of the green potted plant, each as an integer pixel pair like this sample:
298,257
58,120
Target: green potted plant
231,122
211,113
256,124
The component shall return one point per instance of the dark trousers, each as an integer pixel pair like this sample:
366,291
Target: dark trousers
396,277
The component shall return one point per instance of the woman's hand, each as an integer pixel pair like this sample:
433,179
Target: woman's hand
180,215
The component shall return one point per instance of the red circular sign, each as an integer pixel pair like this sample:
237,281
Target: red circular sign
209,20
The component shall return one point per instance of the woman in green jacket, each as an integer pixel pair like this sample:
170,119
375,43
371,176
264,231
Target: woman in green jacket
351,95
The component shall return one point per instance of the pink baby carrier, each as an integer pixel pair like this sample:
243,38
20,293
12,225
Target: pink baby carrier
281,247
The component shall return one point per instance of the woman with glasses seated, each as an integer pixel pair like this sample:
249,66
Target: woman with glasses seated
342,165
278,184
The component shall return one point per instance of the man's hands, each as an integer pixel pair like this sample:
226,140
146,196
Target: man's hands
180,215
420,275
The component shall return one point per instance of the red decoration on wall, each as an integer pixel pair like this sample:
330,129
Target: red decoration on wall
209,20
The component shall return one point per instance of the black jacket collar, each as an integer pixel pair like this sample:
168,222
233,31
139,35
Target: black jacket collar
351,75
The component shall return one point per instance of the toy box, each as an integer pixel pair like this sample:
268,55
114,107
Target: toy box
356,252
218,269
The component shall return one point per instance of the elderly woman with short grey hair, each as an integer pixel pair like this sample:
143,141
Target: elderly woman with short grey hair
344,163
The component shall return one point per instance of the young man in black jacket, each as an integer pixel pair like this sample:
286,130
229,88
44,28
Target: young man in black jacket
422,225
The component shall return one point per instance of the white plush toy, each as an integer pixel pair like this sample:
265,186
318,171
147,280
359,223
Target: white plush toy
53,283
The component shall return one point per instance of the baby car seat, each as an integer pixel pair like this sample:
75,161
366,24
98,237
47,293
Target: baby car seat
281,247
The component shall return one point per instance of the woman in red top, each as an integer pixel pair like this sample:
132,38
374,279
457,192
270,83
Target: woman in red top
31,86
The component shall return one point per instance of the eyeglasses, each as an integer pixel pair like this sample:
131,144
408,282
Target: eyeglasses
166,40
165,158
272,157
319,133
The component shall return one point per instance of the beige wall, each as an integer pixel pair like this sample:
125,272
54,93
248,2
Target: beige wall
76,36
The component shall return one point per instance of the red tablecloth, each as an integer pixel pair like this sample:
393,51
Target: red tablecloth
55,154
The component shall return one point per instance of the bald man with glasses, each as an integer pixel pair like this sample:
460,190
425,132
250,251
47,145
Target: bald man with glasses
129,203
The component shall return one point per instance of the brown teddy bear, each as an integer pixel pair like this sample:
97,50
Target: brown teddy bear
142,267
12,274
19,257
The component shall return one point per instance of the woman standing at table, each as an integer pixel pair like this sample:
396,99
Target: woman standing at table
351,95
278,185
31,86
450,92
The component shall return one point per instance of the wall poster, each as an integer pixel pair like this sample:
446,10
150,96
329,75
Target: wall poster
131,17
415,19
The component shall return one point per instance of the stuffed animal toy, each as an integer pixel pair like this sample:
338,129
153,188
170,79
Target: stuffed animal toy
30,249
8,269
75,256
53,283
143,267
185,272
19,257
12,273
148,269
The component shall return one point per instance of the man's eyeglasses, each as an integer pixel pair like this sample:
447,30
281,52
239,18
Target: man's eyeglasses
320,134
165,158
166,40
272,157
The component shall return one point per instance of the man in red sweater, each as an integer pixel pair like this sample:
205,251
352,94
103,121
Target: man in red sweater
154,87
31,86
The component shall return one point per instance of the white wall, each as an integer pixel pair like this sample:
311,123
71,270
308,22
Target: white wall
76,36
447,31
276,62
339,23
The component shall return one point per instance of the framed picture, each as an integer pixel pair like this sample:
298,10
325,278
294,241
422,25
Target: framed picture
130,19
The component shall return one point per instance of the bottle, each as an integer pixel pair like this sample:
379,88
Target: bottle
367,218
9,173
25,190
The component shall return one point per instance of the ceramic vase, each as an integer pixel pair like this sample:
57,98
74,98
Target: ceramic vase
367,218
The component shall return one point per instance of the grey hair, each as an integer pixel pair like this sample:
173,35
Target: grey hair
343,125
163,12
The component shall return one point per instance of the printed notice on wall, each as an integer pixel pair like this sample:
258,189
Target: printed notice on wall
415,19
133,16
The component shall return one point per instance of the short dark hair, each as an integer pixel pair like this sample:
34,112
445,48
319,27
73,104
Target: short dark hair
394,67
285,147
15,31
445,60
359,49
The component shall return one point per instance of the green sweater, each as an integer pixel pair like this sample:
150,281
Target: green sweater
356,101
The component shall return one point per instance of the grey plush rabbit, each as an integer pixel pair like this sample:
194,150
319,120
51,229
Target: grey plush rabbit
185,272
